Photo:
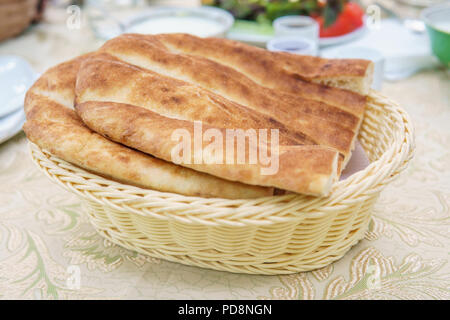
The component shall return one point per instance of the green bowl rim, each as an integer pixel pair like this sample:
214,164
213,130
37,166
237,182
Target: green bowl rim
425,12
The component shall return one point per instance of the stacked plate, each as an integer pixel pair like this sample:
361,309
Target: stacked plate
16,76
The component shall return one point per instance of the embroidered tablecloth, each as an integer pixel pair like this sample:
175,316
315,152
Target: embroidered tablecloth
48,249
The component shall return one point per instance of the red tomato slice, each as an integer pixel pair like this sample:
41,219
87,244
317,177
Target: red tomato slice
351,18
355,13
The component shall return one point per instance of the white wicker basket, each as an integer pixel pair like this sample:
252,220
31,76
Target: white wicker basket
272,235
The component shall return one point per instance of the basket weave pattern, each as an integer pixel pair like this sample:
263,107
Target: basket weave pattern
16,16
271,235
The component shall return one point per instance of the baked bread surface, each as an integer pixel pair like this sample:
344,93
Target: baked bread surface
308,169
136,90
334,123
54,125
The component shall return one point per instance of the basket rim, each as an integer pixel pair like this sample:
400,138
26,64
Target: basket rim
260,211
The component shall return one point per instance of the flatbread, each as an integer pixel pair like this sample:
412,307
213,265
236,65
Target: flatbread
136,90
309,169
274,69
330,124
54,126
119,78
103,77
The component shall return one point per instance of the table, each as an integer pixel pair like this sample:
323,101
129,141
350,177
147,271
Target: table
48,249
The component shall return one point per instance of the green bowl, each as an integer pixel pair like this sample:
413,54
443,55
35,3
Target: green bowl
437,20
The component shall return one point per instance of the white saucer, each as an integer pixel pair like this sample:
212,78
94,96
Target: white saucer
16,76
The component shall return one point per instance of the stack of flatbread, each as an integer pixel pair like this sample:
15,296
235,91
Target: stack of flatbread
115,111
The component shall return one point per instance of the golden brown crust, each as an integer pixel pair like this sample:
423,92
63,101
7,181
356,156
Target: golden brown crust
104,78
53,126
280,71
302,169
307,67
137,90
317,122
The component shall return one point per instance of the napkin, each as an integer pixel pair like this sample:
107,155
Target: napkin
358,161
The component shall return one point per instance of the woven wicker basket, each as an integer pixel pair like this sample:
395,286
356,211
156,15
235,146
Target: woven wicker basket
16,16
272,235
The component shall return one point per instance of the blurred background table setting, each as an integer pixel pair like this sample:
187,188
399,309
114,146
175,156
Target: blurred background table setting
409,42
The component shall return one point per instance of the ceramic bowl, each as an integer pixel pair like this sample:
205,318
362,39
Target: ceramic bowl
437,20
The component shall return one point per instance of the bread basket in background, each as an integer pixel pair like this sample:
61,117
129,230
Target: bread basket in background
16,16
272,235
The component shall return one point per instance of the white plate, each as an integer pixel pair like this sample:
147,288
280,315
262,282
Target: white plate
200,21
16,76
11,124
331,41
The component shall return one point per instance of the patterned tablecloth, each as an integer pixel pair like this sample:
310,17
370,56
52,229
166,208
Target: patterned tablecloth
49,250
